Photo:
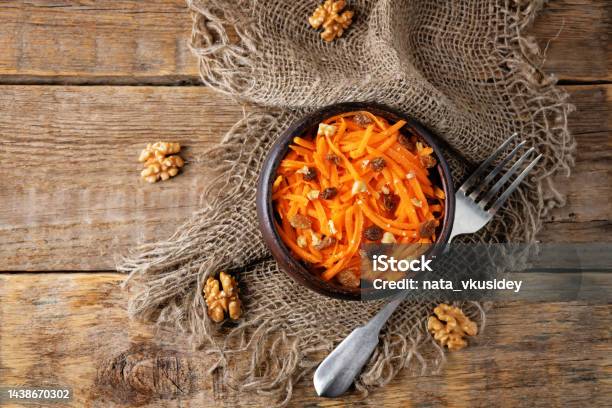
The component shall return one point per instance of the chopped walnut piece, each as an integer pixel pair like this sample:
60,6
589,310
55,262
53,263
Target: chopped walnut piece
333,158
314,238
359,187
388,238
457,326
348,278
428,161
332,227
313,194
378,163
326,130
373,233
427,229
157,163
300,221
329,193
219,302
326,242
362,119
416,202
328,16
301,241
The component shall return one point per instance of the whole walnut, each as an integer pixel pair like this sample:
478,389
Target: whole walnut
330,17
450,326
160,161
221,302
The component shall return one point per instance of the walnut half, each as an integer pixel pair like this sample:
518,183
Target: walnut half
457,326
329,16
160,161
219,302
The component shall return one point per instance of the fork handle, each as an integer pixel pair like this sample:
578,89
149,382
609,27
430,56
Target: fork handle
378,321
337,372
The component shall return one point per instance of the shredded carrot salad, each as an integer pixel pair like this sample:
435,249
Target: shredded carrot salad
358,180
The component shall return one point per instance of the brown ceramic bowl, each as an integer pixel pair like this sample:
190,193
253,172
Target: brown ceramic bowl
287,262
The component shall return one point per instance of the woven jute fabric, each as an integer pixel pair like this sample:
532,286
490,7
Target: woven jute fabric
463,68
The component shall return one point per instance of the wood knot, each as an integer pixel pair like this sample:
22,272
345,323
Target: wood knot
144,373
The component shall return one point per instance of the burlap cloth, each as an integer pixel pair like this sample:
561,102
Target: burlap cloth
463,68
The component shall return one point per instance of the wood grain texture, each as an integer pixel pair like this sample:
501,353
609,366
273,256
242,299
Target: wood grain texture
588,189
69,329
135,42
73,196
575,37
80,41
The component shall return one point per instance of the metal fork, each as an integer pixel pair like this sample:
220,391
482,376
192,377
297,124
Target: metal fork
473,208
475,205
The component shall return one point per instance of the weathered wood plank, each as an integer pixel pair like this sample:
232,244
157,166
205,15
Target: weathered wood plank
577,232
119,40
588,189
73,197
575,35
63,328
130,41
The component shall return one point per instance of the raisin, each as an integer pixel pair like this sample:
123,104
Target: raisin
373,233
390,202
333,158
407,142
329,193
427,229
428,161
378,163
311,174
348,278
300,221
362,119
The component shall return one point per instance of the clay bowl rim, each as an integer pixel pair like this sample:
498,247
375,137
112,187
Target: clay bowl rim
265,212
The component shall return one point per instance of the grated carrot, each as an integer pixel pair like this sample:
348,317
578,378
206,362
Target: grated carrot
362,145
356,201
304,143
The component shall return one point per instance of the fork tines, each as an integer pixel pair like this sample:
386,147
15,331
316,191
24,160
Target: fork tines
477,183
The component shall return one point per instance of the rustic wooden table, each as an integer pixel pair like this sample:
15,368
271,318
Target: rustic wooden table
84,85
